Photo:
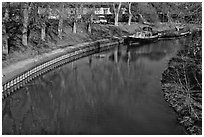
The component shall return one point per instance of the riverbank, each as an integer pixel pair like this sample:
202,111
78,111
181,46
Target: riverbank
182,85
20,74
18,61
69,39
117,91
15,61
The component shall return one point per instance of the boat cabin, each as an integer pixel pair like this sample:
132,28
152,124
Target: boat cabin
146,32
142,34
147,29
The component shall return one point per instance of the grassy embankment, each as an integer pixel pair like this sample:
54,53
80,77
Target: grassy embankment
69,39
182,85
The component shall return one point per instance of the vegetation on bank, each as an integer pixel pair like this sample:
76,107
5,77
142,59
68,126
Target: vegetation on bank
182,80
27,32
99,31
182,85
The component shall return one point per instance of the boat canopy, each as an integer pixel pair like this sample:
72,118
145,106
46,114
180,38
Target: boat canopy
147,29
144,34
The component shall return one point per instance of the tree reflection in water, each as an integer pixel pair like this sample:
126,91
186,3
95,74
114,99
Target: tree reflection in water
117,94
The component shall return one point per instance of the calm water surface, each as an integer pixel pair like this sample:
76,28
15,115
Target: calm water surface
114,92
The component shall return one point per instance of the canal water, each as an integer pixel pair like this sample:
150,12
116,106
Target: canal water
114,92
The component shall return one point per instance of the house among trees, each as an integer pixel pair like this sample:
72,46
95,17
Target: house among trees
102,10
97,10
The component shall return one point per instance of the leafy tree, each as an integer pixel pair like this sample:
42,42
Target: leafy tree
37,21
12,25
192,11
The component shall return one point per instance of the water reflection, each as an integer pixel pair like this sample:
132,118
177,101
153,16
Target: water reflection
114,92
151,51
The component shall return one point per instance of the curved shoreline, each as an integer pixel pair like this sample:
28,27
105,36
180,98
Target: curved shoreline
16,70
182,89
19,74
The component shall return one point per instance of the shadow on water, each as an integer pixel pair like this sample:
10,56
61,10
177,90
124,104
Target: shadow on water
113,92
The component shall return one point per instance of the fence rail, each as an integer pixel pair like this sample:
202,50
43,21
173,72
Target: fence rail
22,79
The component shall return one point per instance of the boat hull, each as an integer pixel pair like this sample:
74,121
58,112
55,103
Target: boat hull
139,41
132,40
173,35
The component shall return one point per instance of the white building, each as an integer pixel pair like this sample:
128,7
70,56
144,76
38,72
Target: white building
102,10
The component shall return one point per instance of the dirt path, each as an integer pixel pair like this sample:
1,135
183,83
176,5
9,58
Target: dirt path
15,69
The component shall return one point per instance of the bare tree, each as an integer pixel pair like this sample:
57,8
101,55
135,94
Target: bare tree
130,13
116,12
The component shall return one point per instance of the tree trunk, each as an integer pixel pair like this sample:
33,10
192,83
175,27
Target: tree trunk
81,12
116,19
25,25
43,32
142,18
26,11
5,46
130,13
129,20
60,24
74,27
91,18
169,17
44,27
116,12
